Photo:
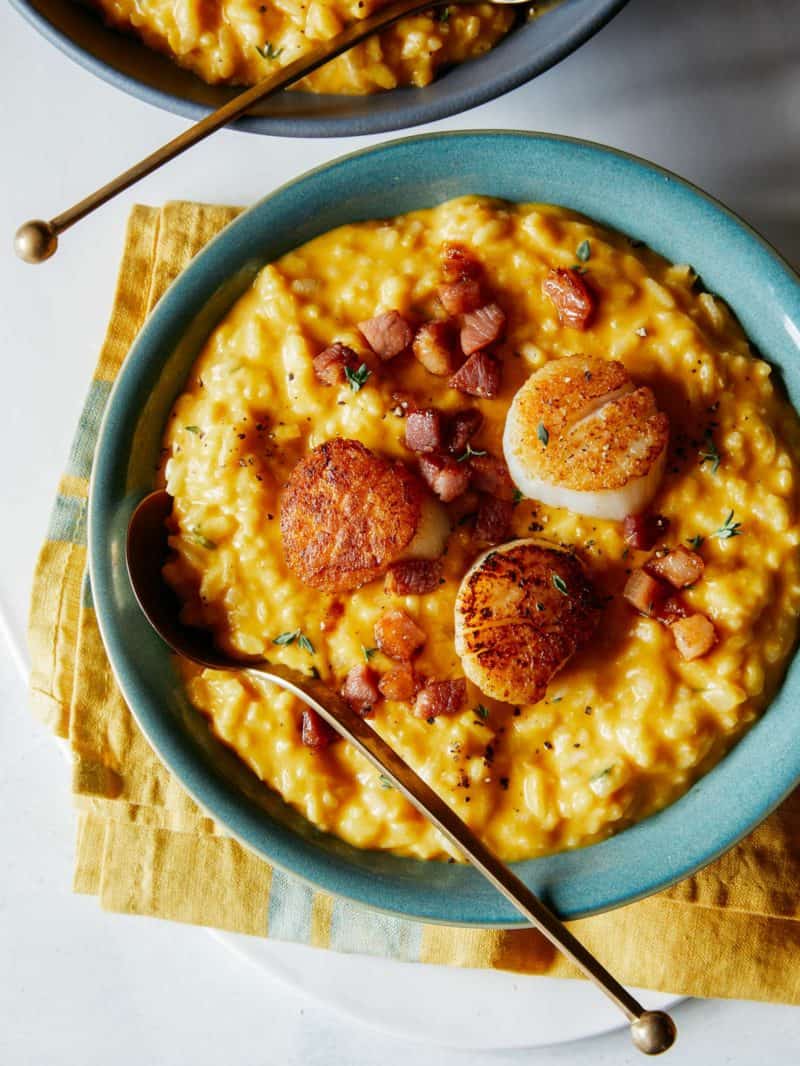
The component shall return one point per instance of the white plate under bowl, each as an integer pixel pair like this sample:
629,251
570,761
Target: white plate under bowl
480,1010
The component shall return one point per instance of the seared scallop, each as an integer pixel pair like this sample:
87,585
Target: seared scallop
348,514
579,434
521,612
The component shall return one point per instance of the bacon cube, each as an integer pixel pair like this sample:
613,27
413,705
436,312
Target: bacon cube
444,476
643,592
458,262
680,567
425,430
435,347
694,636
641,531
571,296
398,636
399,683
490,474
360,689
481,327
461,428
387,334
459,297
329,366
440,697
493,522
480,376
315,731
413,577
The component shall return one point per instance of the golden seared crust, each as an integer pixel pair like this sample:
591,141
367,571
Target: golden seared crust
566,390
521,612
587,427
347,515
620,442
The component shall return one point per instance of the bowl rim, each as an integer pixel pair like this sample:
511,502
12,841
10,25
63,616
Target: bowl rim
416,111
639,883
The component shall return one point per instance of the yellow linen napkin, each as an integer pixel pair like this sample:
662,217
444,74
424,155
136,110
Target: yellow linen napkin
144,847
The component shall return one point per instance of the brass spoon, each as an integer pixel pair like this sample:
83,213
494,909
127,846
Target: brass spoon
146,550
37,239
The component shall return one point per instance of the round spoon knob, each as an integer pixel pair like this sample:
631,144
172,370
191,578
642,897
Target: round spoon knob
653,1032
35,241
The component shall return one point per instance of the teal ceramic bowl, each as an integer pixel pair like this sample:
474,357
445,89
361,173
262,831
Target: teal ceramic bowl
643,201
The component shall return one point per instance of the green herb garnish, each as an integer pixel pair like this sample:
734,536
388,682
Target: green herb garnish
696,542
269,51
584,251
560,584
443,15
357,378
295,635
710,453
197,537
192,429
287,638
385,782
602,774
518,497
469,452
368,653
542,434
482,712
304,643
729,529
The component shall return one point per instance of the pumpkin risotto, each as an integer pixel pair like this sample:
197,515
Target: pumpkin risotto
519,489
239,42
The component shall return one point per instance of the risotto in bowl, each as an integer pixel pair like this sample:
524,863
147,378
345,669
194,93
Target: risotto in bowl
191,57
499,461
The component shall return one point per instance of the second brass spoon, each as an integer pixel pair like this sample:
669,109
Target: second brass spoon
37,240
146,550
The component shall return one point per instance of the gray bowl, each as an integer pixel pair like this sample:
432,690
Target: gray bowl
123,61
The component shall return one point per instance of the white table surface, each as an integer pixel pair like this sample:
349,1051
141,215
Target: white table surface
709,88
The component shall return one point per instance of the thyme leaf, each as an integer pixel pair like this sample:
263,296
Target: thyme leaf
728,529
710,453
197,538
469,451
357,378
269,51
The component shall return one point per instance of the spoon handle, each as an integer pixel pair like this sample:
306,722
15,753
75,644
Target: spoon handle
37,240
652,1031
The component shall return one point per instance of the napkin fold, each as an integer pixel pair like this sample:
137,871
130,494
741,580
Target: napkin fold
144,847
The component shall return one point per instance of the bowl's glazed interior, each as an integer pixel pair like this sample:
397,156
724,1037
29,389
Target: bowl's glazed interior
639,199
126,63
